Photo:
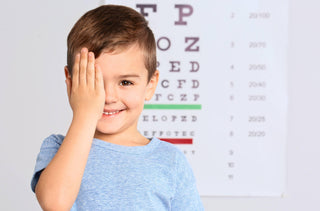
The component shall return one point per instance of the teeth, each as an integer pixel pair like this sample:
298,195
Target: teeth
110,113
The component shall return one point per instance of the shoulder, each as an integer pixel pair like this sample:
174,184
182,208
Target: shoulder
53,140
171,153
167,148
185,193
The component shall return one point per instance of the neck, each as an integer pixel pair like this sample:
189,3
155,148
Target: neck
133,138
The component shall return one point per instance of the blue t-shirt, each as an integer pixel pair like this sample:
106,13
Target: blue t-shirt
156,176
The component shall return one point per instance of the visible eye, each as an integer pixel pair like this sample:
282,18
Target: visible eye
125,83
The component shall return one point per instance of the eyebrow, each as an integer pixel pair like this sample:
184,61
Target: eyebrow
129,76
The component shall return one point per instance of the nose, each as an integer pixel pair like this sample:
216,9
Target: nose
111,94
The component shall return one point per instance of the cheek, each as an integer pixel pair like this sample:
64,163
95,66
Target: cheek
134,97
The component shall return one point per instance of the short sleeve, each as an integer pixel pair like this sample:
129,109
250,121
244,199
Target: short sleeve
48,150
186,195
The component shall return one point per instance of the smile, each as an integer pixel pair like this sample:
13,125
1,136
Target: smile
111,113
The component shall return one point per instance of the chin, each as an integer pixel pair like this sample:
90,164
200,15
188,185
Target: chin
106,131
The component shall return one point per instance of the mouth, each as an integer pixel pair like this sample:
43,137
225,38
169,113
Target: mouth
111,112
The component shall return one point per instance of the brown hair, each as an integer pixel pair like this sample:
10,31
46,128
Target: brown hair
112,28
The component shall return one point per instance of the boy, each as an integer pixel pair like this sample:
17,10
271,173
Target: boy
103,162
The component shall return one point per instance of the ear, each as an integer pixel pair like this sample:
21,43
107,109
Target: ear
68,80
152,85
66,72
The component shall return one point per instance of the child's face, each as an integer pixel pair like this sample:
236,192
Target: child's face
126,87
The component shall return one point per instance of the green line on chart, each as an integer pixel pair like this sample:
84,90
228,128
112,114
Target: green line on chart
173,106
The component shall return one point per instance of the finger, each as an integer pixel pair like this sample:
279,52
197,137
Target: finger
99,85
75,71
90,70
83,66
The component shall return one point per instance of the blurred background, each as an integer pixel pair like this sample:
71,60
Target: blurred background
34,101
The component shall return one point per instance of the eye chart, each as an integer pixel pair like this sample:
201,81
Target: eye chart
222,93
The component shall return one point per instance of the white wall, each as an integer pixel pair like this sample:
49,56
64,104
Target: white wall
33,100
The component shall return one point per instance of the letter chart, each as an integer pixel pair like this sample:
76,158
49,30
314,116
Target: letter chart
222,92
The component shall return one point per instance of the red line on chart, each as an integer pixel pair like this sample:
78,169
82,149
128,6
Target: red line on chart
178,140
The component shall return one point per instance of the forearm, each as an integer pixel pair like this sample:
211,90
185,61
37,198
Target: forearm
59,183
